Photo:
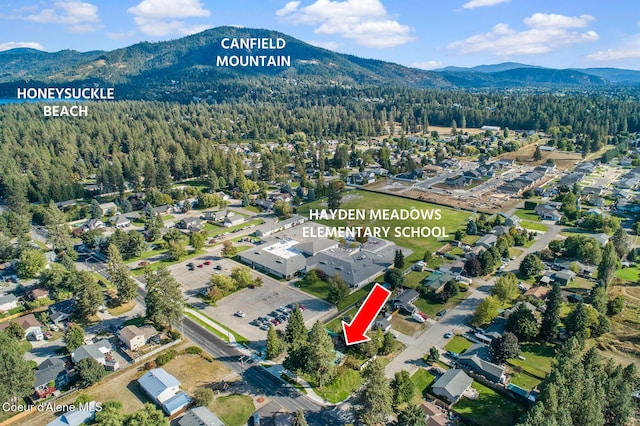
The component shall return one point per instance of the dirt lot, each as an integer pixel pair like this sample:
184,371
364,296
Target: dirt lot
564,160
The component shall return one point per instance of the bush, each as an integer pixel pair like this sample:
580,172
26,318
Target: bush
175,334
166,357
193,350
203,397
150,365
352,363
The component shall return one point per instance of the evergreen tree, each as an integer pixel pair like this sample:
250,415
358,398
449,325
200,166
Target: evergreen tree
89,295
434,355
119,275
577,321
338,289
412,415
599,299
321,355
403,388
374,398
335,194
57,230
110,415
537,155
620,241
96,210
609,264
164,298
90,371
472,228
505,347
17,376
398,261
274,344
531,266
523,324
551,316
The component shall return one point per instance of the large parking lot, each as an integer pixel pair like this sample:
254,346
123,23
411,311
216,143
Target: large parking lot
257,302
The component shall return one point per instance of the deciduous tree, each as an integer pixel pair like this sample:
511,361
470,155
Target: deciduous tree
403,388
74,337
90,371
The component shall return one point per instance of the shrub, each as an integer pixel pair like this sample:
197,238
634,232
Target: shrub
193,350
175,334
166,357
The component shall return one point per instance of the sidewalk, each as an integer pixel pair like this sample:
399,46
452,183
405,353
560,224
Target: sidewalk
277,370
207,321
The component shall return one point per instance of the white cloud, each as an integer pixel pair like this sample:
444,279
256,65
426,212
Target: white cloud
162,17
472,4
330,45
16,44
629,50
79,16
546,33
428,65
364,21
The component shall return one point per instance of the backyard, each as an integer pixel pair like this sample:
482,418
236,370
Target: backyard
490,408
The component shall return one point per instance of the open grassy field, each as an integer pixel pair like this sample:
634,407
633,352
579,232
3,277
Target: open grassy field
490,409
563,160
194,372
533,226
320,290
524,380
452,219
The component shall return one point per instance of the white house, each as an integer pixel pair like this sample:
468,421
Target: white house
164,389
31,326
230,221
8,302
135,337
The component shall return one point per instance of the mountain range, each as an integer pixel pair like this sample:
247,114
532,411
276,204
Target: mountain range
152,70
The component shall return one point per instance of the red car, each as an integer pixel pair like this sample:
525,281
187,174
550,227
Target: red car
208,262
200,265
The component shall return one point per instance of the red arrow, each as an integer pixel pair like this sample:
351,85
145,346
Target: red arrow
354,332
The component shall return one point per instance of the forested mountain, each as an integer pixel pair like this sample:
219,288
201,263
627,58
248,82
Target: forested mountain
181,69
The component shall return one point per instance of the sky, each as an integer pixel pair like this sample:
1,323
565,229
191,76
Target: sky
424,34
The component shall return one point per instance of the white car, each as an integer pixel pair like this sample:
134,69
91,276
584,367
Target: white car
239,314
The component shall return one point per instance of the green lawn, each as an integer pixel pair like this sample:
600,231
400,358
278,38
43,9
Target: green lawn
527,215
414,278
335,324
629,274
320,290
224,336
214,231
538,358
580,282
423,380
514,251
524,380
457,344
347,381
431,308
233,410
155,265
490,409
533,226
452,219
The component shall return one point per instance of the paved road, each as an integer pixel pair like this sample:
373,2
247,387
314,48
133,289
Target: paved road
256,376
457,318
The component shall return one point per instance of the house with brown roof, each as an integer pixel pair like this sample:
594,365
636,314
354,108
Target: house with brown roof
434,414
540,292
38,293
135,337
31,326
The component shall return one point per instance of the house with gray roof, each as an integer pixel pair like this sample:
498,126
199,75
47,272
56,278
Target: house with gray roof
476,359
405,300
200,416
51,375
451,385
487,241
564,277
100,351
281,225
8,302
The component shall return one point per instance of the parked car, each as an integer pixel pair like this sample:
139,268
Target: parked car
207,262
218,267
448,335
201,266
441,313
48,335
239,314
264,327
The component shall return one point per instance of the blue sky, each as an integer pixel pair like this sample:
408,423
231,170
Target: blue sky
419,33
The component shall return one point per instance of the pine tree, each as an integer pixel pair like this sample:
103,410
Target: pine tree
17,375
299,419
119,275
274,344
620,241
89,295
537,155
374,398
403,388
96,210
412,415
321,355
398,261
609,264
164,298
551,316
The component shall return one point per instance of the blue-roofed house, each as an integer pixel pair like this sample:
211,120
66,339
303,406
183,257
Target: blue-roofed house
164,390
76,417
